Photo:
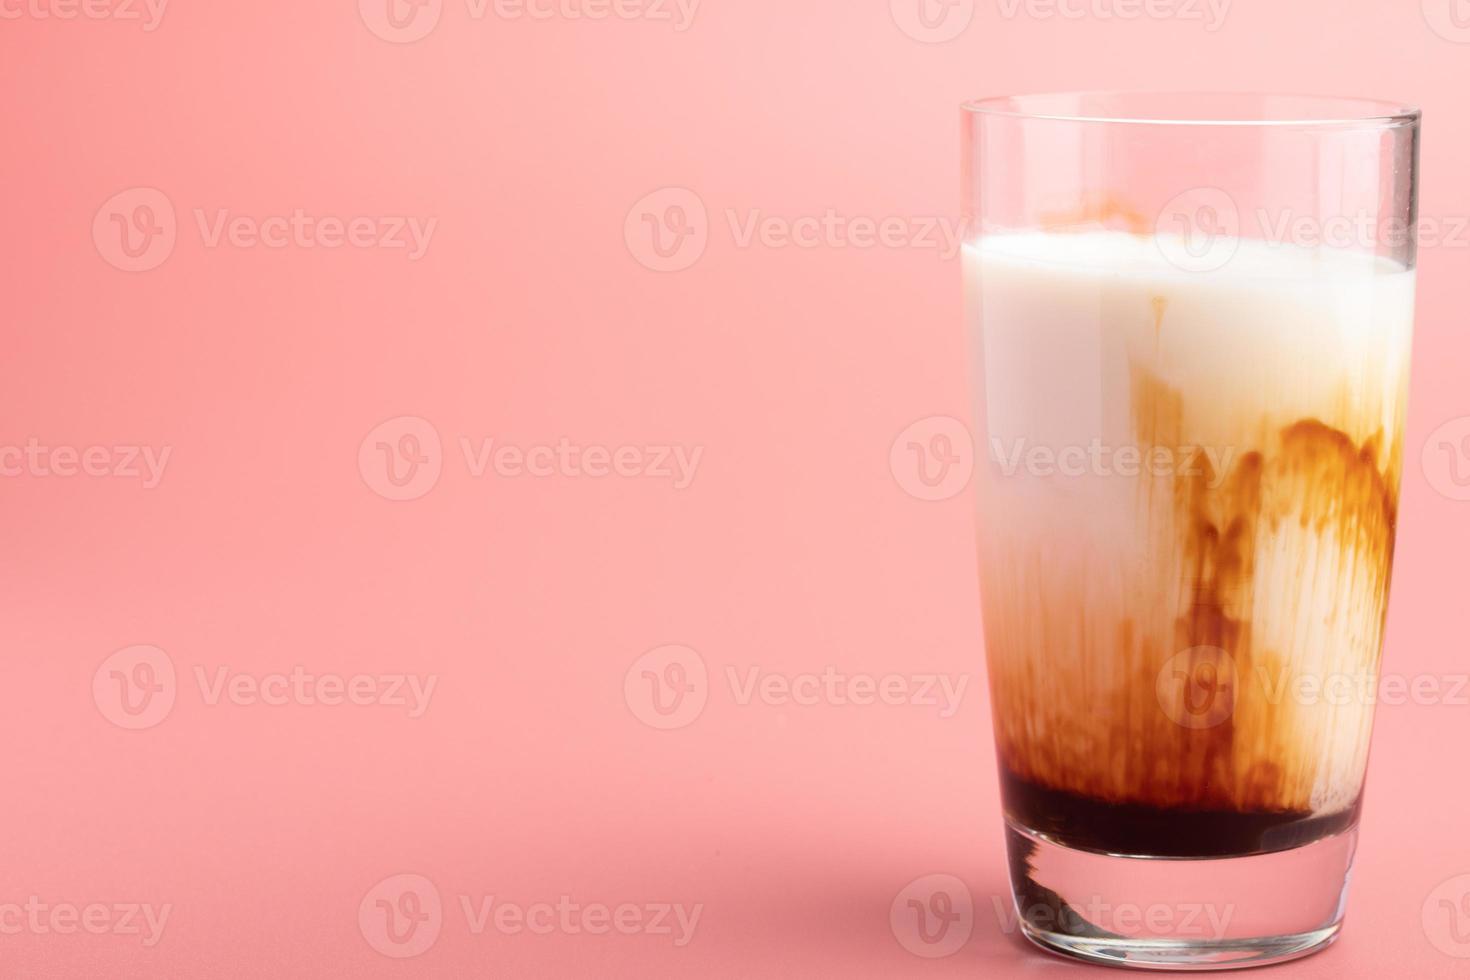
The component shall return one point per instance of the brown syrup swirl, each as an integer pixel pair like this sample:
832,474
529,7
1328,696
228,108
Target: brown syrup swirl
1253,578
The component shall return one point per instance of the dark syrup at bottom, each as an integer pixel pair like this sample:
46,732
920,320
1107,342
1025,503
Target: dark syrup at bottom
1175,832
1084,823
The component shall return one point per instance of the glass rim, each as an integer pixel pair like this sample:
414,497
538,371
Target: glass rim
1125,107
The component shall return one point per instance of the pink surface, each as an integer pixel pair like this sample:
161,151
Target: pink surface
754,520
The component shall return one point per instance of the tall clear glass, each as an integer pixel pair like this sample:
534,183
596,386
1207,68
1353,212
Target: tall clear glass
1190,319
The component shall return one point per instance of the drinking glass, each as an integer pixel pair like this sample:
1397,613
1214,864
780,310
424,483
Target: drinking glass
1190,319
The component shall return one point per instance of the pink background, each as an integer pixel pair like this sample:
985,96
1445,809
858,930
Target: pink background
531,319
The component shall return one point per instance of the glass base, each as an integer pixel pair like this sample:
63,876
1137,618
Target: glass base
1180,913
